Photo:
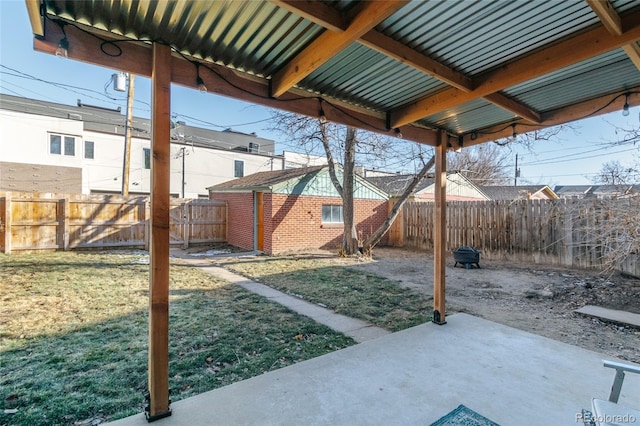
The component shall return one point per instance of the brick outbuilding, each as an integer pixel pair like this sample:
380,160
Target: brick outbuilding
295,209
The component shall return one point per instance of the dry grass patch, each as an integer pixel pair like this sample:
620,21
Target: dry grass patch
73,340
350,292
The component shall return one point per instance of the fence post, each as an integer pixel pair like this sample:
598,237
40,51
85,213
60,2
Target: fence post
7,223
186,219
63,224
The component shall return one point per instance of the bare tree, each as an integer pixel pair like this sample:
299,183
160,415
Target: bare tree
614,173
487,164
314,135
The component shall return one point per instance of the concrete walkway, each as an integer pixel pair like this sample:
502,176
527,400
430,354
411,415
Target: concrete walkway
621,317
358,330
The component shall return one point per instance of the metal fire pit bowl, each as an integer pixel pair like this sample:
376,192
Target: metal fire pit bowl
467,256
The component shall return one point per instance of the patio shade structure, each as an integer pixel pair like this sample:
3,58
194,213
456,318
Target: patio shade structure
449,74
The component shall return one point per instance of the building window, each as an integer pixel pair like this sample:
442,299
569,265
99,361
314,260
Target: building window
88,150
69,145
55,144
331,213
147,157
57,147
238,170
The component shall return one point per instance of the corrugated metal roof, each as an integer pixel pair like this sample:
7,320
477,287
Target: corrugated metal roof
595,77
469,116
472,37
361,76
252,36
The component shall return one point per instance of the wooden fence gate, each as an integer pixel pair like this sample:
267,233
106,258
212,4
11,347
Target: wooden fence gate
31,222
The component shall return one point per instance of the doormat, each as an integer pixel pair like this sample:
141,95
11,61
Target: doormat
463,416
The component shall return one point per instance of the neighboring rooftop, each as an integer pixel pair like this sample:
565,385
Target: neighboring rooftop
264,180
596,191
396,184
108,120
517,192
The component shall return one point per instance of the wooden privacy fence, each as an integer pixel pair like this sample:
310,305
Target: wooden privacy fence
575,233
63,222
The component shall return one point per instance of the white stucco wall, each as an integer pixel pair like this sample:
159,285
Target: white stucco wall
25,139
203,167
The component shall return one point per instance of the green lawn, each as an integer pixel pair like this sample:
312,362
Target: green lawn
350,292
73,336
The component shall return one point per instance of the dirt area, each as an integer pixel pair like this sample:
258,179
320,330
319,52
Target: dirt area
534,298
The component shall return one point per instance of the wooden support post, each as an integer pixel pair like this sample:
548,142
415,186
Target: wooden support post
440,228
7,223
147,225
159,265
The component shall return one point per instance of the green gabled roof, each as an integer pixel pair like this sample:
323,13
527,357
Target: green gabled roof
301,181
262,181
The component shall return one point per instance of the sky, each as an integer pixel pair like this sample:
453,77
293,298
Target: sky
573,157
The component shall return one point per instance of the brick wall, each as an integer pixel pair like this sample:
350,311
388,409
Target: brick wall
297,222
239,217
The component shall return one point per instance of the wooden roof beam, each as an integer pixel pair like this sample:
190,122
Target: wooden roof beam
511,105
381,43
317,12
330,43
136,58
330,18
560,55
612,22
37,21
607,15
579,111
327,17
633,52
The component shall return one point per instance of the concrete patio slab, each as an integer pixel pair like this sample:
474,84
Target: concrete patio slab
414,377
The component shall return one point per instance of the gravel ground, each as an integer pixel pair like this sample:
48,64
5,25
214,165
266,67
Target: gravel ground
534,298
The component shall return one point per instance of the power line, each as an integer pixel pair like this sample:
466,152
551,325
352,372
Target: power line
20,74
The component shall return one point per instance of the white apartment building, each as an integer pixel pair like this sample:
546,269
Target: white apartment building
49,147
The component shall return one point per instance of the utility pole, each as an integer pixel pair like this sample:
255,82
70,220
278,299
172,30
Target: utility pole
182,149
517,173
127,139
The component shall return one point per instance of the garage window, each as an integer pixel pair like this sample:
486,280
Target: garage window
331,213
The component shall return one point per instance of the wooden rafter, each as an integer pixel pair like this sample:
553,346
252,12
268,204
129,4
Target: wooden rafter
136,58
513,106
327,17
612,22
562,54
381,43
633,52
317,12
37,22
607,15
330,43
591,108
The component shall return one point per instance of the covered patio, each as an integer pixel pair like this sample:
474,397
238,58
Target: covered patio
448,74
414,377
